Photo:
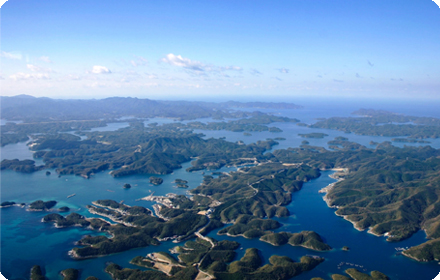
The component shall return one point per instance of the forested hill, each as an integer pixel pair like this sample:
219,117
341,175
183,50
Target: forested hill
31,109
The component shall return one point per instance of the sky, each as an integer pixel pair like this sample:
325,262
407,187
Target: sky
246,49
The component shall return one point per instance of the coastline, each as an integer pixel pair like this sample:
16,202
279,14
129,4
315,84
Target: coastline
337,176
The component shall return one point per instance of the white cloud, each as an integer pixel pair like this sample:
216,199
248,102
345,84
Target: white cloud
232,68
33,76
35,68
17,56
45,59
178,60
284,70
196,66
139,61
100,70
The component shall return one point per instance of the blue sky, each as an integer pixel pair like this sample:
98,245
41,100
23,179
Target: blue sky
221,49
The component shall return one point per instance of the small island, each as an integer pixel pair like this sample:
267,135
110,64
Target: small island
313,135
36,273
156,180
181,183
70,274
126,186
40,205
64,209
7,204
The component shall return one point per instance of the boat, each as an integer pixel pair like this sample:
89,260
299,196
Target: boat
71,195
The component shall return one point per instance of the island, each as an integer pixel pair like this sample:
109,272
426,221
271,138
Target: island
313,135
156,180
6,204
70,274
64,209
307,239
36,273
40,205
383,123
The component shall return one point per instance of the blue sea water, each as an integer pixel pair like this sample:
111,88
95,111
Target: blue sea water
26,241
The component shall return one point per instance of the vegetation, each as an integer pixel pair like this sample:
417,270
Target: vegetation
313,135
249,267
7,204
70,274
134,150
156,180
40,205
36,273
73,219
214,258
261,191
64,209
389,190
428,251
357,275
250,226
117,272
180,181
135,227
306,239
24,166
45,115
383,123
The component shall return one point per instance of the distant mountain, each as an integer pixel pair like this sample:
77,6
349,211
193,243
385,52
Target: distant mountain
29,108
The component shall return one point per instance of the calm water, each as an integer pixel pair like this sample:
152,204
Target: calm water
26,241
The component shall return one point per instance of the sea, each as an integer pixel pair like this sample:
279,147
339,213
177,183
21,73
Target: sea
26,241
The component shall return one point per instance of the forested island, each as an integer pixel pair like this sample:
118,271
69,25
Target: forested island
383,123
